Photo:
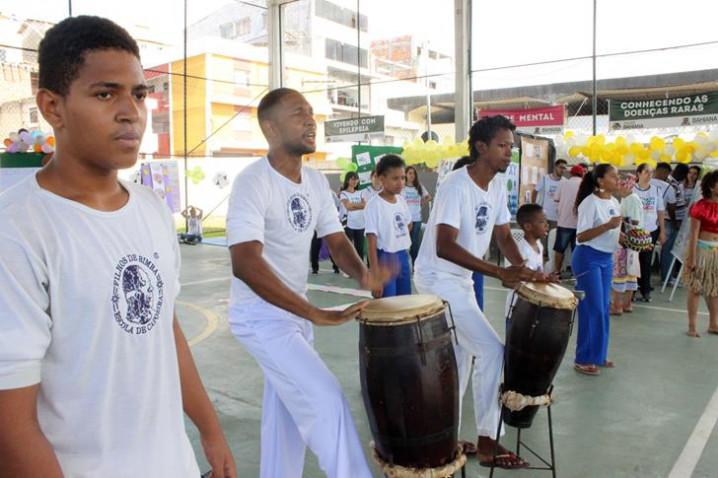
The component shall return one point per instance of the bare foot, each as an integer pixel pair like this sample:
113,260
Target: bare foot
712,330
692,333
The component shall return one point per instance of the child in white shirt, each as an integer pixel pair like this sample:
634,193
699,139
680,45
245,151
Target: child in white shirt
388,226
532,221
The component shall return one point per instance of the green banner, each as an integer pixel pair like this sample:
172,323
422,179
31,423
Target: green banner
688,110
366,158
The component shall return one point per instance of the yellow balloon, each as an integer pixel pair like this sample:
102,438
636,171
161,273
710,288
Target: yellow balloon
569,134
657,144
678,143
621,141
714,154
574,151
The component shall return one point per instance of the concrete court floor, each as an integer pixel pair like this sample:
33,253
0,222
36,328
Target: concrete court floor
632,421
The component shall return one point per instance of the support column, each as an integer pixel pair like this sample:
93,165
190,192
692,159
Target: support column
463,101
274,43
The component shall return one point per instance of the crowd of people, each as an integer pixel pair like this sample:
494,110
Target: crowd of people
95,372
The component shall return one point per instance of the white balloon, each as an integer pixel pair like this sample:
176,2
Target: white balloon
656,155
669,150
713,135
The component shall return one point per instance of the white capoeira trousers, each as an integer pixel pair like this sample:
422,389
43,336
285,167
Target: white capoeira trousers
477,339
303,403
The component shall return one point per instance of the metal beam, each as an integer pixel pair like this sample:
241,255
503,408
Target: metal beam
462,55
274,40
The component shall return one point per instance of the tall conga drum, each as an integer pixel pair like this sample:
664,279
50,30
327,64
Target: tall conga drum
540,321
409,380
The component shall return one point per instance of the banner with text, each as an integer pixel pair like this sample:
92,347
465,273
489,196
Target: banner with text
688,110
354,129
548,120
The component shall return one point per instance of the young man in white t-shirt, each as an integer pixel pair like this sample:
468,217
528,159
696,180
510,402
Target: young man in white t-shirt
545,191
470,204
275,206
94,368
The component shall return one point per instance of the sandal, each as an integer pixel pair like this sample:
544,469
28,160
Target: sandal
586,369
506,460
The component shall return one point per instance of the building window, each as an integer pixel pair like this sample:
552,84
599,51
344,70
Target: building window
227,31
241,78
33,115
244,27
3,55
340,15
345,53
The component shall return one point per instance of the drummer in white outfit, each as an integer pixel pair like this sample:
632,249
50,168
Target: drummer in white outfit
470,204
275,206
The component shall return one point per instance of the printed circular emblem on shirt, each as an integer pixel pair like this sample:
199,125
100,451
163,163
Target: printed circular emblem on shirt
482,217
299,212
612,212
399,225
137,294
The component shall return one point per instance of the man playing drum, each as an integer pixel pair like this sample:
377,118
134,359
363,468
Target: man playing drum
471,204
275,206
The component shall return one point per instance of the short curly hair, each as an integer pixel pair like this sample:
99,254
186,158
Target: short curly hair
485,130
62,51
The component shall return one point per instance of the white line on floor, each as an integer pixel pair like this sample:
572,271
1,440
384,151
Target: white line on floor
691,454
211,325
206,281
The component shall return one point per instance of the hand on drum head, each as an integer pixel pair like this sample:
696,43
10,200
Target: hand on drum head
511,276
337,317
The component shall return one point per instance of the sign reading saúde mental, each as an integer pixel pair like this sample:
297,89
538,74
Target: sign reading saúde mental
354,129
548,120
688,110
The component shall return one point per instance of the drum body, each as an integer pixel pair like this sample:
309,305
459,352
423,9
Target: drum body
540,326
409,380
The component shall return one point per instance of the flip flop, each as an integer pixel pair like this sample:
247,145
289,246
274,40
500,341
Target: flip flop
608,364
505,461
586,369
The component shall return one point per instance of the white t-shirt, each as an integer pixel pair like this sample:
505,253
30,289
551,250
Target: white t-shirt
534,261
565,199
355,218
86,311
413,199
389,222
652,205
546,189
462,204
594,211
267,207
632,209
668,194
194,226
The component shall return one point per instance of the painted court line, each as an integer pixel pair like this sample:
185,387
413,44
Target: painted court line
209,316
691,454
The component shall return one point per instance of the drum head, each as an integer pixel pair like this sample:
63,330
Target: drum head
548,294
401,309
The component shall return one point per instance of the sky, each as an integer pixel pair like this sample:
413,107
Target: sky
522,31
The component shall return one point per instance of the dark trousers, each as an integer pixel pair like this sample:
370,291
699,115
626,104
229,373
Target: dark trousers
644,259
314,253
415,240
357,238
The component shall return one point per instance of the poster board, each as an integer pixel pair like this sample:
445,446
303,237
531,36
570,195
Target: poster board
366,158
535,155
14,167
680,245
163,178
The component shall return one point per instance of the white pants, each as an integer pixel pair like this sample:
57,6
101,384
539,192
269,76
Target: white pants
303,403
476,338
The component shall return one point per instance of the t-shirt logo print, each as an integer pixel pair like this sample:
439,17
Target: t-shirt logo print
482,217
299,212
137,294
399,225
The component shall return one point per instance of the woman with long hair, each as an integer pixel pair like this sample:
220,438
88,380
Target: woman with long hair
416,197
354,203
654,222
690,183
597,234
701,267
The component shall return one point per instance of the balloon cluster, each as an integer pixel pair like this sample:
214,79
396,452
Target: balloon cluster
627,151
432,152
35,142
347,166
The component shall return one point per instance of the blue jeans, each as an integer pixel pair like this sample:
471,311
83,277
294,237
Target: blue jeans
415,240
401,284
478,278
593,270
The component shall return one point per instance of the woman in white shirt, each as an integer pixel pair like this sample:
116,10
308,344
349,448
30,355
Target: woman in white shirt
354,203
597,234
416,197
654,222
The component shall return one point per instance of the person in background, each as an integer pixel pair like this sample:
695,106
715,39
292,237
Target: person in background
372,189
545,191
416,197
388,226
626,267
597,234
354,202
676,215
193,216
565,198
654,220
701,267
691,183
533,223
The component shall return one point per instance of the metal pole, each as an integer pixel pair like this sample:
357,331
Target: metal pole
184,91
359,62
69,7
428,91
594,101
